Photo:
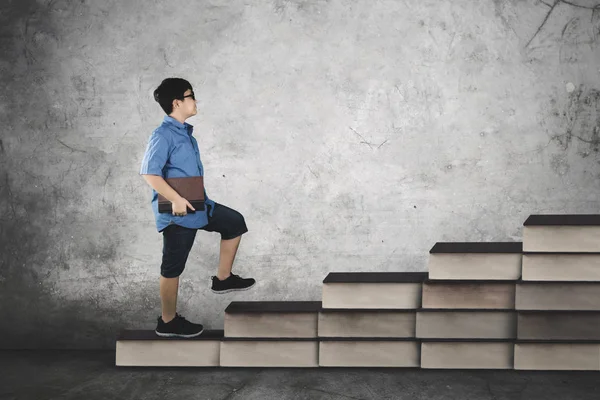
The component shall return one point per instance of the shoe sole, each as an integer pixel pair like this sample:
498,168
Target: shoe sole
178,335
232,290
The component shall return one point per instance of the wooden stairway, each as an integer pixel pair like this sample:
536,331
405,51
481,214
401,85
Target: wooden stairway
533,305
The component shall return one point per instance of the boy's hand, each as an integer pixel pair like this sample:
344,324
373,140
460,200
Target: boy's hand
179,206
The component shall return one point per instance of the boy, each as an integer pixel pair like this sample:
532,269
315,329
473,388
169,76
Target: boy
172,152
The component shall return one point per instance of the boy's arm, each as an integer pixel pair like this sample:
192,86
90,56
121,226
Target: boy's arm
159,184
155,158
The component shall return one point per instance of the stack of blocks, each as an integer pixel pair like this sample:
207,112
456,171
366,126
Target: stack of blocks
468,318
368,319
271,334
558,298
501,305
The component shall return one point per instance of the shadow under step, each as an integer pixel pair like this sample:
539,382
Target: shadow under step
559,325
466,323
469,294
557,295
367,323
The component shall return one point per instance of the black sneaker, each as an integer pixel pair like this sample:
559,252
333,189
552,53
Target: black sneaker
231,284
178,327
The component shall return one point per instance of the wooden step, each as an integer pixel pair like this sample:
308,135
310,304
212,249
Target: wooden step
559,325
466,324
373,290
143,348
541,295
295,319
562,233
561,266
557,355
473,260
367,323
467,294
369,352
269,352
467,354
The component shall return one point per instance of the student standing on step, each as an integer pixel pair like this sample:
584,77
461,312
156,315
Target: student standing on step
173,152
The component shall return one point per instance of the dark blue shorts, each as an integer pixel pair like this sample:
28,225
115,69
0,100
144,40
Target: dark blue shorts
178,240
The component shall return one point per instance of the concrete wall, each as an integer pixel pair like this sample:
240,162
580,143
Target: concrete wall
352,135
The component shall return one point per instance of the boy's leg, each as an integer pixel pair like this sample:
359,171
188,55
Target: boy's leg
231,225
177,243
227,256
168,297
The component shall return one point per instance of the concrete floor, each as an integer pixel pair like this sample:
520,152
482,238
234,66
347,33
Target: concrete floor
92,375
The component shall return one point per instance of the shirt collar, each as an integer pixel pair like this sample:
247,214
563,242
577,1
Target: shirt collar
185,126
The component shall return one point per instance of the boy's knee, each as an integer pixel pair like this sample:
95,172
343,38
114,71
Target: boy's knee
171,272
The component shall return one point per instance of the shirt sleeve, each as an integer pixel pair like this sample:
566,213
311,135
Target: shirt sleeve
156,156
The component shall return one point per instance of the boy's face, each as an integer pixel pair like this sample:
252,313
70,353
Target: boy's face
186,107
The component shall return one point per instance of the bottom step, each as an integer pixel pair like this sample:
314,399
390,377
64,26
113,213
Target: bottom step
272,352
372,352
467,354
146,349
557,355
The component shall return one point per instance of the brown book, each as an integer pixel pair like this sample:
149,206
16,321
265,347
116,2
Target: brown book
190,188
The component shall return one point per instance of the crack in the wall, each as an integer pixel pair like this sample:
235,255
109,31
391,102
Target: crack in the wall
69,147
556,2
364,141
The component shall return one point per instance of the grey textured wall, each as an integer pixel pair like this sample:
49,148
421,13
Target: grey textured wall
352,135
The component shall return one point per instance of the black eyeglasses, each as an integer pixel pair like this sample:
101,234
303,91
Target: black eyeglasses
189,95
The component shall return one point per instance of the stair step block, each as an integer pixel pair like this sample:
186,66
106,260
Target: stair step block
168,353
474,266
559,326
561,238
557,356
269,325
467,325
369,354
372,295
469,295
558,296
561,267
367,324
270,353
467,355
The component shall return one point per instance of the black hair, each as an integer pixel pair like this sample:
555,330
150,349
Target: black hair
169,90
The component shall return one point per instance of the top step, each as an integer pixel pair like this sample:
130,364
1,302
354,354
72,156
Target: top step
375,277
563,220
477,247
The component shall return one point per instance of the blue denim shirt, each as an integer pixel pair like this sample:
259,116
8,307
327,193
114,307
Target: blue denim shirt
172,152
